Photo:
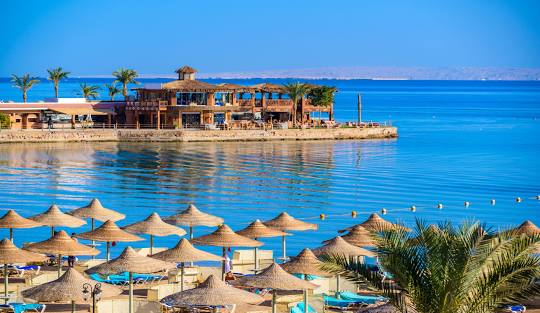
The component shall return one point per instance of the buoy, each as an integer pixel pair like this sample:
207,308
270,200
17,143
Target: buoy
518,199
322,216
467,203
493,201
413,208
439,206
353,214
384,211
538,197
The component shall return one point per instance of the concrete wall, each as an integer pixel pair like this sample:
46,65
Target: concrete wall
193,136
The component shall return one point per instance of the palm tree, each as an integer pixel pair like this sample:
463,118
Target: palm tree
113,90
322,96
125,77
24,83
296,91
449,269
56,75
89,91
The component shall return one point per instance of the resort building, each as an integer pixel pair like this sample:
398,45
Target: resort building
188,102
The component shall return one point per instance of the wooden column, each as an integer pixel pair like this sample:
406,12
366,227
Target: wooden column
158,119
302,104
210,99
263,104
109,119
234,98
180,119
252,102
137,122
72,121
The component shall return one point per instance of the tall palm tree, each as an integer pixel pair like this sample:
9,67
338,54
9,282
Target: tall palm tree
296,91
56,75
24,83
448,269
125,77
89,91
113,90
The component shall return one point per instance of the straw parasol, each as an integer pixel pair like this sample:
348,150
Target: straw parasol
193,217
358,236
276,278
338,246
10,254
528,228
61,244
109,232
225,237
131,262
153,225
54,217
13,220
257,230
184,251
286,222
214,293
68,288
375,223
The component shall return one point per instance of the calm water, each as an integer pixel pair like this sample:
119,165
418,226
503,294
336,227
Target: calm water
459,141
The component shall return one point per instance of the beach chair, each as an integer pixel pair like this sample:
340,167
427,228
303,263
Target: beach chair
310,309
309,277
347,295
296,309
19,307
341,304
23,269
516,308
108,280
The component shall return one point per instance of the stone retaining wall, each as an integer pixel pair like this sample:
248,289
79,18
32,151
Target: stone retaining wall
194,135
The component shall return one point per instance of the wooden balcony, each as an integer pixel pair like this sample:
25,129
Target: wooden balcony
146,105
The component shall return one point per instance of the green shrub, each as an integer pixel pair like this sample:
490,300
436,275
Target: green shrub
5,122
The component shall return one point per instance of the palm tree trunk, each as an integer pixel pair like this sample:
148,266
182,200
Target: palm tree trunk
56,89
24,96
125,92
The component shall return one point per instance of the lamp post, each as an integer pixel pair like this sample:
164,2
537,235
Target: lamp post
94,292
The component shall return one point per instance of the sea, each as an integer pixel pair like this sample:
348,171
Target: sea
459,141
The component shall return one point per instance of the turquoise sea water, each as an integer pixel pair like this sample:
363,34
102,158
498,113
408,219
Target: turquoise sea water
459,141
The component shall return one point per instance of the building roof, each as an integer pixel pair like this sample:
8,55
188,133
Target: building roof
186,69
269,87
189,85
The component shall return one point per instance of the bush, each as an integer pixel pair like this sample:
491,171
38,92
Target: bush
5,122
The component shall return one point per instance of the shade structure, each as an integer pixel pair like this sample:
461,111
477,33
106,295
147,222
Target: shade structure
13,220
153,225
183,252
528,228
286,222
339,247
54,217
95,210
109,232
61,244
276,278
225,237
376,223
67,288
193,217
212,292
131,262
9,254
257,230
358,236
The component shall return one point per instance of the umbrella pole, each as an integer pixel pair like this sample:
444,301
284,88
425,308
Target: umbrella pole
151,244
223,263
274,301
93,242
337,287
284,247
59,265
182,276
108,251
256,269
306,305
130,292
190,237
72,306
11,234
52,231
6,284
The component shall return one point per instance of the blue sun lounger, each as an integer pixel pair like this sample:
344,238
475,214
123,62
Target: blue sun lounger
19,307
339,303
300,305
347,295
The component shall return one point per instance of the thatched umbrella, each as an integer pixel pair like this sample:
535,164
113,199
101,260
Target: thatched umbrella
286,222
305,263
338,246
213,293
61,244
276,278
258,230
153,225
225,237
95,211
183,252
193,217
13,220
358,236
131,262
109,232
54,217
375,223
68,288
10,254
528,228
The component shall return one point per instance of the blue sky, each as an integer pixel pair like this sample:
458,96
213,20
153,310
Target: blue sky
155,37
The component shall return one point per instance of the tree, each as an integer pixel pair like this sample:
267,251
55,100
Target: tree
56,75
322,96
24,83
125,77
113,90
89,91
448,269
296,91
5,122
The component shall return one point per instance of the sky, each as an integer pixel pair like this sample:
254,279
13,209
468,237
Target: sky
156,37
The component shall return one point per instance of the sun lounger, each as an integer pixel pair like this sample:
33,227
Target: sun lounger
18,307
310,309
108,280
339,303
346,295
296,309
309,277
516,308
